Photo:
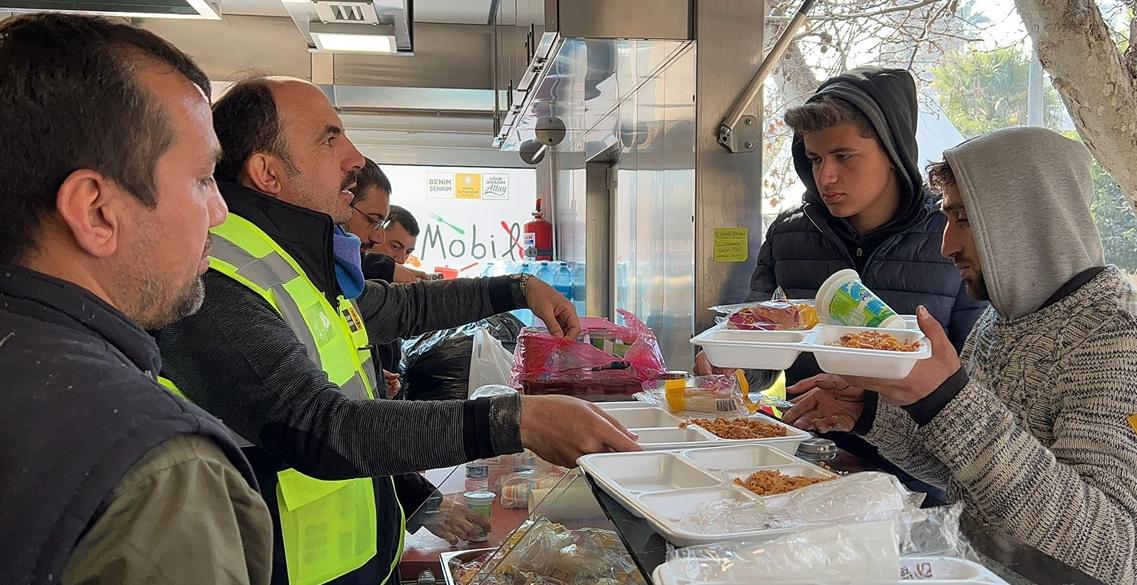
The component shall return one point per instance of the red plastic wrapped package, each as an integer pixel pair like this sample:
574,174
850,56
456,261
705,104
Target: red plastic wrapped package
607,362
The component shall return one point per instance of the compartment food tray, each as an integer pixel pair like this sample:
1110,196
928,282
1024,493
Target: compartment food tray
777,350
659,429
923,570
667,487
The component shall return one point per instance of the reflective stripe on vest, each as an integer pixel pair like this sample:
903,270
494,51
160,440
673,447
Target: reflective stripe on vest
329,527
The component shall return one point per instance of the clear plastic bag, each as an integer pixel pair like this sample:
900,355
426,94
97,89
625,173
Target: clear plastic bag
716,394
910,544
859,497
722,395
549,553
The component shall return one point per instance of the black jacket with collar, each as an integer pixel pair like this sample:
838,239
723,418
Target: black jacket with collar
238,359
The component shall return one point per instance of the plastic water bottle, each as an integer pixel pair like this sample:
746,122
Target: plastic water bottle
578,290
562,280
478,475
546,272
525,315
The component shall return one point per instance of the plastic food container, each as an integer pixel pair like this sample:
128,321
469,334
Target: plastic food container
482,503
843,299
659,429
667,487
777,350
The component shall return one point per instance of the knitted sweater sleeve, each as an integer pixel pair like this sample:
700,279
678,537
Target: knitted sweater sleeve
895,435
1076,497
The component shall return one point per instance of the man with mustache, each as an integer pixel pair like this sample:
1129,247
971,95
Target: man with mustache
282,348
107,151
1034,426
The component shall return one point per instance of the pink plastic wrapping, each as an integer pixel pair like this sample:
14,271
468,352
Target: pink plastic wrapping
544,364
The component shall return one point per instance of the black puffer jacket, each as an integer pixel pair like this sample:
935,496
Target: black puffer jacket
804,246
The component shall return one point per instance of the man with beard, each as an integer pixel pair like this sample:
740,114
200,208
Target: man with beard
281,349
107,151
1034,426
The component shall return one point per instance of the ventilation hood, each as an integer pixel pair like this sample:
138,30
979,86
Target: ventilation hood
360,26
200,9
593,55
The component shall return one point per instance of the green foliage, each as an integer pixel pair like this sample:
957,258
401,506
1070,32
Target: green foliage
1115,220
983,91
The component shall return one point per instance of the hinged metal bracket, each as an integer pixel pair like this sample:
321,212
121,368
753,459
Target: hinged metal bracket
739,132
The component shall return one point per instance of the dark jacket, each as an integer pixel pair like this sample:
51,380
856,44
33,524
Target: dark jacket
238,359
382,267
80,407
902,261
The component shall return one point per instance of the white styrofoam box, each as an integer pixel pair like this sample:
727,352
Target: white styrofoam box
872,363
671,437
645,417
777,350
764,350
667,488
659,429
738,457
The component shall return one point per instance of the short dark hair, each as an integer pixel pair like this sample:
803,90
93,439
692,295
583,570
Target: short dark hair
940,175
70,99
826,112
367,177
404,218
247,122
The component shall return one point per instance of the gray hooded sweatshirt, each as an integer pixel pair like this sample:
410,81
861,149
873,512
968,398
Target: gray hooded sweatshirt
1037,442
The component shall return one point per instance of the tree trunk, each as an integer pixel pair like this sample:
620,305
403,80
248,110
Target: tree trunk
1073,42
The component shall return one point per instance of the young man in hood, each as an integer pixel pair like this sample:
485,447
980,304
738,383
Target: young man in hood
865,207
1034,426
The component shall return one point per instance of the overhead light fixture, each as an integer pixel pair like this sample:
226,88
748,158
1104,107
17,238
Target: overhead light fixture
184,9
353,38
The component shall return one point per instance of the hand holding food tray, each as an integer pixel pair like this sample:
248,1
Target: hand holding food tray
858,335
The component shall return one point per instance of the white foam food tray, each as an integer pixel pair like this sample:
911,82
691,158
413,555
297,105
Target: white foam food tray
667,488
777,350
925,570
659,429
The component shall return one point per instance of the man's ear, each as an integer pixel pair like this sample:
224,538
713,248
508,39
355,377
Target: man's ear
264,172
93,208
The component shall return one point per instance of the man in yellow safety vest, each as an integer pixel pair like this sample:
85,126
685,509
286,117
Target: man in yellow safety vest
281,348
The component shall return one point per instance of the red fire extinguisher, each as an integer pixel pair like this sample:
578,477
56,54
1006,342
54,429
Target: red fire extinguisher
537,237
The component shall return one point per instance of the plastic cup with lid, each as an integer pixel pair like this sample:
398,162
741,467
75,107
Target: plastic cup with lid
844,300
482,503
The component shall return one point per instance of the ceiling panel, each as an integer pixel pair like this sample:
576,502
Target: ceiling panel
454,11
253,7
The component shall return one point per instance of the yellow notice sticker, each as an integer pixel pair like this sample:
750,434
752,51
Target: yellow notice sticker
468,185
731,244
1132,422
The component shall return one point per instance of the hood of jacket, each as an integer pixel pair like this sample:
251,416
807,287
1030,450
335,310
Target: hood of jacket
1027,192
887,97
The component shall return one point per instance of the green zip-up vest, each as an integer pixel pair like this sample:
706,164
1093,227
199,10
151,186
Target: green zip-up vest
329,527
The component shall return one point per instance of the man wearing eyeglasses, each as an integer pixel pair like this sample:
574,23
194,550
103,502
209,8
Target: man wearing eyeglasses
370,218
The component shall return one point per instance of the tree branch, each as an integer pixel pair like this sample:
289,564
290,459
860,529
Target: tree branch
865,14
